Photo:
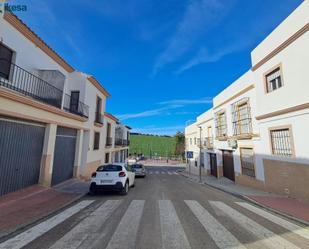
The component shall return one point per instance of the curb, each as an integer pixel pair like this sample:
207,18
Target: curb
246,198
22,227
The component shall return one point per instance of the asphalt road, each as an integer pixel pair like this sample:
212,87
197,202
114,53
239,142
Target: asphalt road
163,210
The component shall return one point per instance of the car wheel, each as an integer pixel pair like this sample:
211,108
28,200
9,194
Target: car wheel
125,189
92,190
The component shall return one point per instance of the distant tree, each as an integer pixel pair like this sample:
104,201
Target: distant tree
180,143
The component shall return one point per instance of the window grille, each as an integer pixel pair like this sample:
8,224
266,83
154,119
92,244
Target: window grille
274,80
220,122
247,161
241,114
281,142
96,141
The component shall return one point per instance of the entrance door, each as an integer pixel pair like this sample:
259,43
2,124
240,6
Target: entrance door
21,146
213,164
228,165
64,155
74,101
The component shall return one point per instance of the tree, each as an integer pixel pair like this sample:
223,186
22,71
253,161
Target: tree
180,143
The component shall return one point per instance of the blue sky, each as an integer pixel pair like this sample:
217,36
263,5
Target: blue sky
162,61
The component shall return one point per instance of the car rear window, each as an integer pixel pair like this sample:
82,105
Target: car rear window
137,166
110,168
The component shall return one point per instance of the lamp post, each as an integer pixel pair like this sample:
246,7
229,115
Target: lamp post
200,154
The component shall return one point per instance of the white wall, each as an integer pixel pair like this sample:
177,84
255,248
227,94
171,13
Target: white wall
28,56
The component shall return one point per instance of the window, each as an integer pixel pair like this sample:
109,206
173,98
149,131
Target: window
195,141
106,157
220,121
5,61
247,161
190,140
96,142
273,80
281,142
241,113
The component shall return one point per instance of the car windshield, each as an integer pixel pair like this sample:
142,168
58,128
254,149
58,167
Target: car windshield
110,167
137,166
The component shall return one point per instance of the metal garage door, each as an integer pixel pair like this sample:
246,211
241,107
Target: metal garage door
64,155
21,145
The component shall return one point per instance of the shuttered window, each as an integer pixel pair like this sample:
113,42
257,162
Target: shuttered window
247,161
5,61
274,80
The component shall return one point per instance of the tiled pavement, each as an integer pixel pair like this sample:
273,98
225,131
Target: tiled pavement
20,208
298,209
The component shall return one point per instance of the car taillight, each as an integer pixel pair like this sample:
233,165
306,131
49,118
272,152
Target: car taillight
94,174
122,174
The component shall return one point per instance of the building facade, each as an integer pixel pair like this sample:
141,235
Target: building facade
260,120
51,116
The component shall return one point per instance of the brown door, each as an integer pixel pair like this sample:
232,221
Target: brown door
213,164
228,165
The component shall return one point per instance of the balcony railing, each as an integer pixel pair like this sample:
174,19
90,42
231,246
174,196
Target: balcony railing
209,142
109,141
76,107
98,118
121,142
26,83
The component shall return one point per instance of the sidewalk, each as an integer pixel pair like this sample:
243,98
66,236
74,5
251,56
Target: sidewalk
24,207
292,208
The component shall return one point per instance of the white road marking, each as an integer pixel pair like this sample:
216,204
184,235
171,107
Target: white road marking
266,236
221,236
33,233
125,234
83,235
157,172
170,173
175,173
162,172
150,172
301,231
173,235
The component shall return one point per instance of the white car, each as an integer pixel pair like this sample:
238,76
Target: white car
117,176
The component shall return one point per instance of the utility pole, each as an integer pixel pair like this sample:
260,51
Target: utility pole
200,154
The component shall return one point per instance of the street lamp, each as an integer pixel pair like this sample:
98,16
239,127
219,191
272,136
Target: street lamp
200,154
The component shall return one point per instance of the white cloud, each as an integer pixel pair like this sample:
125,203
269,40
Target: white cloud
199,17
166,108
183,102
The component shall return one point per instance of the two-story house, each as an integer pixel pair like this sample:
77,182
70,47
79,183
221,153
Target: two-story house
260,120
51,116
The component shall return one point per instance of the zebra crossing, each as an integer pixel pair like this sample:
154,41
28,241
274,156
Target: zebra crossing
173,235
161,172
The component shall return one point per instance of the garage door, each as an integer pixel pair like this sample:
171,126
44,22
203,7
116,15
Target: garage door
64,155
21,145
228,165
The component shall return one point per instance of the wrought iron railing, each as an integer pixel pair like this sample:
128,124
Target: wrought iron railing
118,141
22,81
78,108
26,83
209,142
99,118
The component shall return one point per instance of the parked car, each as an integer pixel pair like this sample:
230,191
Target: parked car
139,170
117,177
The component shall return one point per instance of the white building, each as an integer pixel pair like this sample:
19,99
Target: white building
260,120
51,116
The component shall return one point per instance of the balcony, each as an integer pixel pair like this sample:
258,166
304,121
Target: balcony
28,84
209,142
98,118
109,142
121,142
